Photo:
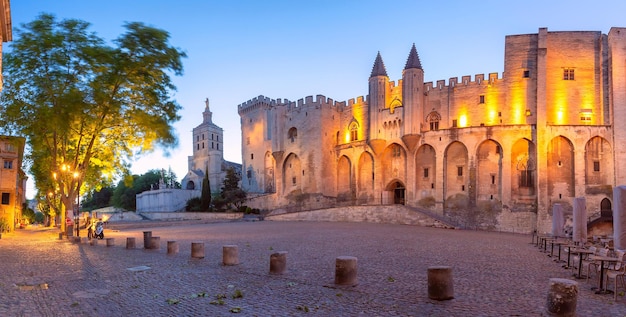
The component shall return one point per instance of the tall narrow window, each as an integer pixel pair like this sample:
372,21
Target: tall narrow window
354,132
596,166
481,99
6,198
433,119
292,134
459,171
454,123
8,164
568,74
425,172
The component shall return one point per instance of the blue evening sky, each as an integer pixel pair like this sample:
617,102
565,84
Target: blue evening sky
238,50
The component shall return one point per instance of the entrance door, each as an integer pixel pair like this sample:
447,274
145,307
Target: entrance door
605,208
398,194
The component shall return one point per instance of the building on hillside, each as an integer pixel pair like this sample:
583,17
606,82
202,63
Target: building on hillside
208,156
489,152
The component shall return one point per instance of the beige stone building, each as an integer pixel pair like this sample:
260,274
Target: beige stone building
491,152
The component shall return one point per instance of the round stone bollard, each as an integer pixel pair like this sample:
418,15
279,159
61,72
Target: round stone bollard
130,243
440,286
147,236
76,240
93,242
230,255
155,243
172,247
61,235
84,240
110,242
562,297
278,262
345,270
197,250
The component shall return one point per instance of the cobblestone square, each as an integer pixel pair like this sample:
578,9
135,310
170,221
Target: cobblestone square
494,274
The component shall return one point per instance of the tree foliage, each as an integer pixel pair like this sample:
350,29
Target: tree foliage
231,193
98,198
205,195
124,195
86,107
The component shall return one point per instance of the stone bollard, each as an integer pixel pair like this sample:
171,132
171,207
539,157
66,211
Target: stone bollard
197,250
84,240
172,247
562,297
278,262
230,255
155,243
110,242
345,270
93,242
440,283
61,235
147,236
76,239
130,243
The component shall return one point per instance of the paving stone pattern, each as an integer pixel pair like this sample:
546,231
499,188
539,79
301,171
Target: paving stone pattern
494,274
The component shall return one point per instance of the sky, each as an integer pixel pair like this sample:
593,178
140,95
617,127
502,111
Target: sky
237,50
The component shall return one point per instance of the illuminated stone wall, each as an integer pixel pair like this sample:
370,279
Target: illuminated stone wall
490,152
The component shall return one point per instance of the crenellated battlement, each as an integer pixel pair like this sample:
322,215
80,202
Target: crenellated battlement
479,79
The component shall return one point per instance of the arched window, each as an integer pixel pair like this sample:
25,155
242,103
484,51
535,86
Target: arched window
292,135
191,185
354,131
433,119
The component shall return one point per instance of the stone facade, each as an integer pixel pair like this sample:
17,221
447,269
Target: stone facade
12,179
487,152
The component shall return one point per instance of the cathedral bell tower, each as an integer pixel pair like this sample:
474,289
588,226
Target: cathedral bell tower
378,83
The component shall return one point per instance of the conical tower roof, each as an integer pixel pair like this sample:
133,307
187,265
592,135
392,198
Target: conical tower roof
414,60
379,67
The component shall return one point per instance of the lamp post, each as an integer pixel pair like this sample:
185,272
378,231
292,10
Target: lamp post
77,214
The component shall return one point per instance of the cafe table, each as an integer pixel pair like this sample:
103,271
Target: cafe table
580,253
602,260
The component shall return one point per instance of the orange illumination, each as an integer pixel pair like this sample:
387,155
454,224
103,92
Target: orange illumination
348,137
463,121
559,116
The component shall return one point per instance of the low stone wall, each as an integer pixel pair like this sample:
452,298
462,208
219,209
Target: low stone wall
393,214
193,215
164,200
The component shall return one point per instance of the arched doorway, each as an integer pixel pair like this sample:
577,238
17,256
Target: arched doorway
399,192
605,208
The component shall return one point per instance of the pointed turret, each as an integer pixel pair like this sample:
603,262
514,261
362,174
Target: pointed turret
207,114
379,67
414,60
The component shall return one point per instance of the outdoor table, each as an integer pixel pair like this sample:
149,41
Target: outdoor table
580,252
603,259
559,243
545,243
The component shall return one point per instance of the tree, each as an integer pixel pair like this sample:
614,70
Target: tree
231,192
205,195
98,198
85,107
124,195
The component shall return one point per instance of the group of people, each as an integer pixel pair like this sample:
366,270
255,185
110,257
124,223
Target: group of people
93,230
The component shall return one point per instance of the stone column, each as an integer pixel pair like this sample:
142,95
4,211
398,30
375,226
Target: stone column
278,262
147,235
197,250
345,270
580,220
155,243
130,243
172,247
619,217
562,297
440,286
230,255
557,220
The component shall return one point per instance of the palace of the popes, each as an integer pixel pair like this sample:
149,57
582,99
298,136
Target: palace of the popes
490,152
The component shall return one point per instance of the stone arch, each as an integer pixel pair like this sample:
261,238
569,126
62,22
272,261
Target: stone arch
598,162
425,173
393,163
292,134
523,169
366,172
398,192
561,169
190,185
606,209
489,171
270,166
456,175
344,179
292,173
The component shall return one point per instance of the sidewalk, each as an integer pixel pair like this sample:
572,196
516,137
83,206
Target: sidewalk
495,274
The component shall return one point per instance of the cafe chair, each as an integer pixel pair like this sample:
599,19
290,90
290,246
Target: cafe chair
617,273
588,264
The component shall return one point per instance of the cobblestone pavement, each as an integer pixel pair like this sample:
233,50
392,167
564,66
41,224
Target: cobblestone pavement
494,274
